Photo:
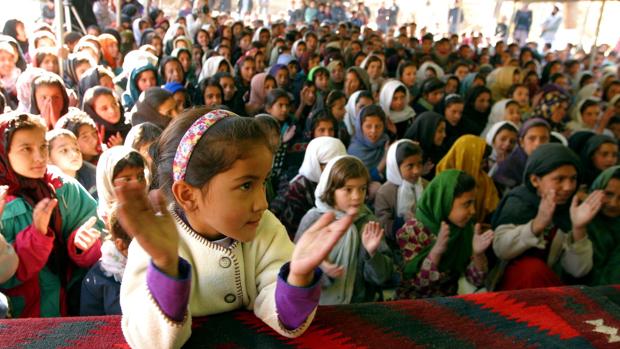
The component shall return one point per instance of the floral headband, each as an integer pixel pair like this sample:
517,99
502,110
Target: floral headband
191,138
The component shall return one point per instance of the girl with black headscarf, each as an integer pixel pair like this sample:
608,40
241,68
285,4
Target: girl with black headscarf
540,227
477,110
429,129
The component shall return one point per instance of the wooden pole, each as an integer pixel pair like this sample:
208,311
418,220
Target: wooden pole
594,49
118,14
60,38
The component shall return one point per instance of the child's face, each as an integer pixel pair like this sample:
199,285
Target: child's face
338,109
7,63
212,96
451,86
50,63
168,108
563,180
512,114
605,156
107,107
282,78
324,129
351,83
453,113
48,96
483,102
461,72
337,73
434,97
440,134
174,72
233,202
247,70
80,69
373,128
321,82
411,168
399,101
352,195
504,143
131,174
292,70
65,153
533,138
522,96
28,152
611,206
463,209
146,79
374,70
228,85
590,115
88,141
279,109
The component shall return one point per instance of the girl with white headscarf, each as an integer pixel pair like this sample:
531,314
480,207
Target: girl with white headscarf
298,198
360,263
212,65
396,200
394,100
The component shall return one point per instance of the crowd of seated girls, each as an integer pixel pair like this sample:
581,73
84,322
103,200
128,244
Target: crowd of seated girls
196,166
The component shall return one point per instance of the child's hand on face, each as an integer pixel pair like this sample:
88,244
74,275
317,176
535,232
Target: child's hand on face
42,213
152,227
481,241
86,235
371,237
115,139
441,244
314,246
334,271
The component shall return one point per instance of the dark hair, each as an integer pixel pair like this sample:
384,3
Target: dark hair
405,64
133,159
587,104
333,96
616,174
464,184
407,149
584,78
613,120
514,87
75,119
21,121
511,102
224,143
453,99
270,126
344,169
321,115
145,133
364,94
211,82
274,95
372,110
432,84
556,76
167,60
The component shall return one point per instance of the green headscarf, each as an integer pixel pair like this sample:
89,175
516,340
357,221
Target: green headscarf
604,232
433,208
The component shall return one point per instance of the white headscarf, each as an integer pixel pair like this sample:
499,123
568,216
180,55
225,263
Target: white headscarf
421,74
319,151
498,112
385,100
346,251
350,119
495,128
211,65
408,193
105,171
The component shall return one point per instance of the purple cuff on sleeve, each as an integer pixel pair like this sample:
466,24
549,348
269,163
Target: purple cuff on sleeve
294,304
172,294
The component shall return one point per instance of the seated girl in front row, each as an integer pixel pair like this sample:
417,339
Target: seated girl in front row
219,248
49,218
442,243
360,263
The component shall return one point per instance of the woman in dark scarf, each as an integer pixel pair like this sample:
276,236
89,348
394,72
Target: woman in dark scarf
95,76
532,134
477,110
53,256
109,130
540,230
428,129
604,231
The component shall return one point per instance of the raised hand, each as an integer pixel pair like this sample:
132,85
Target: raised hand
581,215
86,235
152,227
371,237
314,246
481,241
546,208
441,244
115,139
332,270
42,213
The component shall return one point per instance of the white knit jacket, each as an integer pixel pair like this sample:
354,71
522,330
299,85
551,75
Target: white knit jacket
223,279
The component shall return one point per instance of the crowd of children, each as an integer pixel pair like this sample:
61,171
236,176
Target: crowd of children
165,169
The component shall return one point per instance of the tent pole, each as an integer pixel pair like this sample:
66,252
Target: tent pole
118,14
60,38
594,49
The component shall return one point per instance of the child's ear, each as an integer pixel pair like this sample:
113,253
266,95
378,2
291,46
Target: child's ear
535,180
121,245
185,195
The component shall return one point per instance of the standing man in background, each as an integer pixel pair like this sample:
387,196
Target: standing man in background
523,23
455,18
550,26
